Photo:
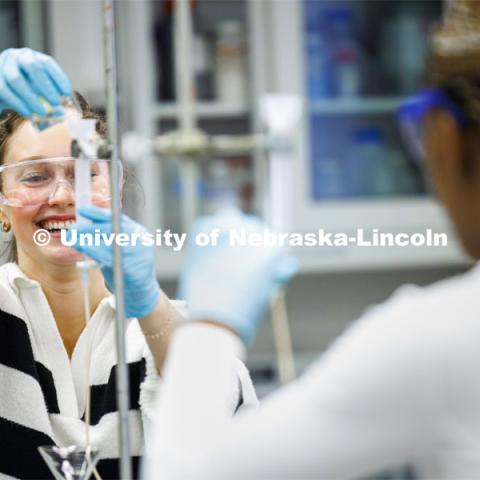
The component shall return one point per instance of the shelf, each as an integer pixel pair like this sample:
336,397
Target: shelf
348,259
353,258
204,110
388,213
355,106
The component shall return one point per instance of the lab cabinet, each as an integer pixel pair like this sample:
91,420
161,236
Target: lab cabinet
22,24
221,71
222,63
10,28
351,63
360,60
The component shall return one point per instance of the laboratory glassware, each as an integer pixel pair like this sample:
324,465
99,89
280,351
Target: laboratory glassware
69,463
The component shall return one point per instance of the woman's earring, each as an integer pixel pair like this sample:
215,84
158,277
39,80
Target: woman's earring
6,226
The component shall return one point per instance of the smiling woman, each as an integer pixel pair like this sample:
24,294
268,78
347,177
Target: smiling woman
19,140
46,347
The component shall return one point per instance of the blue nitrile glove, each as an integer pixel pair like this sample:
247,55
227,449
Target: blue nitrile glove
26,75
232,285
142,291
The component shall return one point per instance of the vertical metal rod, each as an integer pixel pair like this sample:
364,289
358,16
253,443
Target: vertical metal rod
114,139
189,173
281,115
283,339
186,100
183,65
280,191
279,216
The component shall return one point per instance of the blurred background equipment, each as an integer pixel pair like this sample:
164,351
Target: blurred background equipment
285,46
350,167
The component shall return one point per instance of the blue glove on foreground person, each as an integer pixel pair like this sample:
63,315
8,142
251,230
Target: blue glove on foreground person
232,284
26,75
142,291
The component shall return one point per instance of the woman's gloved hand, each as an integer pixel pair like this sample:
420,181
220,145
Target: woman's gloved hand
142,291
232,285
26,75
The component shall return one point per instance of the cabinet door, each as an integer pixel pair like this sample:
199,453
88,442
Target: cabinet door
22,24
361,59
221,66
353,63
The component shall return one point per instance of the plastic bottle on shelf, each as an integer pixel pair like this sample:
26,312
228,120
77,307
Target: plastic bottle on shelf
344,53
317,74
408,29
203,67
406,181
369,168
231,63
9,29
225,183
316,52
328,178
347,74
357,182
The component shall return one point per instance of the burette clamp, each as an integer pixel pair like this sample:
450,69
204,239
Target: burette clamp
100,148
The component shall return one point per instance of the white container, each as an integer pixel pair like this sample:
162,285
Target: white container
231,64
203,66
370,169
221,188
405,65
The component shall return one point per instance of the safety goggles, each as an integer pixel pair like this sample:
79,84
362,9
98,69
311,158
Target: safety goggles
411,118
35,182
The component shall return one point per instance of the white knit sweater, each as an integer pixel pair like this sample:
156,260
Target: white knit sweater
42,390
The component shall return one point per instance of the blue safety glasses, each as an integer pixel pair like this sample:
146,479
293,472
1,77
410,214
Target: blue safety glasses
411,117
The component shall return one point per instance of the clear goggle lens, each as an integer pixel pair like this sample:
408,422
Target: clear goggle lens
35,182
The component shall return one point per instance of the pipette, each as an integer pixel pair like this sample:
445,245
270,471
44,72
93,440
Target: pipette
84,149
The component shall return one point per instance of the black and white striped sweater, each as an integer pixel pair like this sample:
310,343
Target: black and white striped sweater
42,390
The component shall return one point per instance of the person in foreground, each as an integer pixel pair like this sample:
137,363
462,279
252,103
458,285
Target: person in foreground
399,387
45,345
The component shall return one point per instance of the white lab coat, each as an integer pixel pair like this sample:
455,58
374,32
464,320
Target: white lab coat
401,386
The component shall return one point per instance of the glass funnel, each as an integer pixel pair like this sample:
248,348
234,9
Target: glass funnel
69,463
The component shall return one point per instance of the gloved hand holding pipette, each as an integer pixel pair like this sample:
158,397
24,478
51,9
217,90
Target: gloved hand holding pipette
27,77
242,291
142,291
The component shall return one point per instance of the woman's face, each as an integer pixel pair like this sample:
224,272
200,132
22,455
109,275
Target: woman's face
27,143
